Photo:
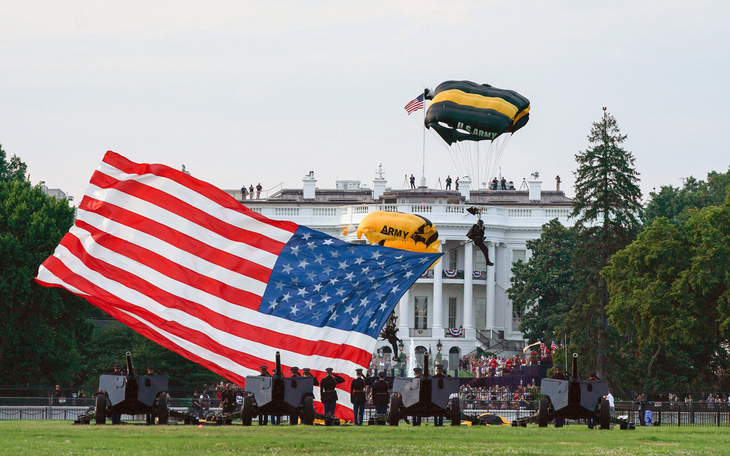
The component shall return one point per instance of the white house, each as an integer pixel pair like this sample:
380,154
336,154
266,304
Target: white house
459,303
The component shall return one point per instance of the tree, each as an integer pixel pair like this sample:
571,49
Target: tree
541,288
41,327
674,203
607,208
111,341
13,170
670,296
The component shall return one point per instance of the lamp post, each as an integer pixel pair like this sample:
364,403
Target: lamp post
439,346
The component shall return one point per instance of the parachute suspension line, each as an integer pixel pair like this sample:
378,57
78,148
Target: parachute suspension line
452,153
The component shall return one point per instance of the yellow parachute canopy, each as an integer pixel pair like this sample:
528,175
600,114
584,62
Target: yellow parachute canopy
401,231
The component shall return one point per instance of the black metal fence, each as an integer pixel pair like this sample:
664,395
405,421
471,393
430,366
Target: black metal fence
659,413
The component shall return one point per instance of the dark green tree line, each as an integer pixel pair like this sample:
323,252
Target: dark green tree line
670,297
41,327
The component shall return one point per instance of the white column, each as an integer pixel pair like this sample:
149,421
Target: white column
491,295
468,291
438,297
404,316
508,308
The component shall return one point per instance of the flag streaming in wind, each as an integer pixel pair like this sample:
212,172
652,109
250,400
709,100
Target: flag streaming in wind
553,346
414,105
187,266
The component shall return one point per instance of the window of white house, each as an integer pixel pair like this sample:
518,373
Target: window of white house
518,255
420,312
453,259
452,313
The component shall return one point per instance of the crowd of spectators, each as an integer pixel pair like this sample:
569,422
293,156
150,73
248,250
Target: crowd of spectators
709,398
500,397
493,366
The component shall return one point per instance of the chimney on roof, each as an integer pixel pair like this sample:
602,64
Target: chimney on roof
379,183
535,187
465,187
309,184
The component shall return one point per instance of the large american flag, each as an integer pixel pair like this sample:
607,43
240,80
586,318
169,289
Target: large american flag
186,265
414,105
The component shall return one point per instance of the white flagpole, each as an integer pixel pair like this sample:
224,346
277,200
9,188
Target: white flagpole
423,170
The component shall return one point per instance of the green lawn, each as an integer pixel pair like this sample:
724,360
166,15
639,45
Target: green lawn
28,437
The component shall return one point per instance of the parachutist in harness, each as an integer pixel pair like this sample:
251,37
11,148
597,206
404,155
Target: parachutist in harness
476,234
389,335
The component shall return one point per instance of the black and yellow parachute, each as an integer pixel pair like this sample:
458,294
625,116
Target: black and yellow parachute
398,230
467,111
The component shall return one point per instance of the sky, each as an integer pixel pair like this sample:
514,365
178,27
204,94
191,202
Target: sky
242,92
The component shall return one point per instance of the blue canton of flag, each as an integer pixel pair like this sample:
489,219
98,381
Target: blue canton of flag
322,281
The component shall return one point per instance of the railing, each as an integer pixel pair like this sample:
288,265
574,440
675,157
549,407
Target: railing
329,214
473,403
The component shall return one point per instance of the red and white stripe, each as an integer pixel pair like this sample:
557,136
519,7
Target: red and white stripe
186,265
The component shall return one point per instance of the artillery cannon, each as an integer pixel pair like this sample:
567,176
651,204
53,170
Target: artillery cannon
572,399
425,396
278,396
130,394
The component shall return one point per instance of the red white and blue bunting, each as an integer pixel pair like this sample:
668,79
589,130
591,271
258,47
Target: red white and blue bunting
477,274
451,273
456,332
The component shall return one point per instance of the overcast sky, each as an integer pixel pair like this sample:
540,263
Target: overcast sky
242,92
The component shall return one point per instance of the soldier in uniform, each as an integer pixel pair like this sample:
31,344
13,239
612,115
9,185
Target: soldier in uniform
328,392
591,422
439,420
294,419
357,396
559,375
307,373
380,394
476,234
116,418
417,373
150,371
264,372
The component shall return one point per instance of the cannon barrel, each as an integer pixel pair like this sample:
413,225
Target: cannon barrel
277,369
130,366
575,365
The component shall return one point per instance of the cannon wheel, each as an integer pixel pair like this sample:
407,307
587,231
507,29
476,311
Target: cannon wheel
100,409
605,415
247,411
542,413
163,408
394,416
455,412
308,411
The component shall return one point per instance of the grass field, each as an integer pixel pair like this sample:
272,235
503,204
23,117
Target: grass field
28,437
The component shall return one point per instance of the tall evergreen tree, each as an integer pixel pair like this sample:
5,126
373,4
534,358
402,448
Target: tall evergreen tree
607,208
